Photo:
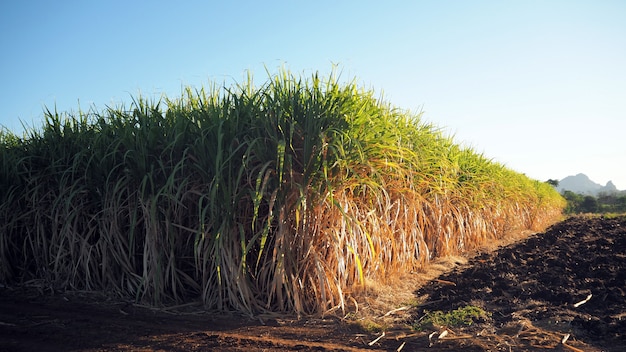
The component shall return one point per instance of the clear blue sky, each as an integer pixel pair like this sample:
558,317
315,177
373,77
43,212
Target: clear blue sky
537,85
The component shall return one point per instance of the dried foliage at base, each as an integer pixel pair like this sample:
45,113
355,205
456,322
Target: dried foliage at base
287,197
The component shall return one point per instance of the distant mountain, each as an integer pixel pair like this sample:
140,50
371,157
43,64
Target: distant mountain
583,185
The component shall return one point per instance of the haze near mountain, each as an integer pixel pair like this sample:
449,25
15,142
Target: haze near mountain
583,185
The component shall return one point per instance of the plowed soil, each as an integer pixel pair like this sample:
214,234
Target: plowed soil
567,282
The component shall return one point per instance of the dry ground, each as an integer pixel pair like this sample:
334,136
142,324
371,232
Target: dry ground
532,289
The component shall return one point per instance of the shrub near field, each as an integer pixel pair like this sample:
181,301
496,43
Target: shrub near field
285,197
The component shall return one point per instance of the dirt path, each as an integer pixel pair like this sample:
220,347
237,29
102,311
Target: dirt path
569,280
531,290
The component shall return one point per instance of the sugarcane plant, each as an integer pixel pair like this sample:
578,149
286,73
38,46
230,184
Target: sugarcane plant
284,197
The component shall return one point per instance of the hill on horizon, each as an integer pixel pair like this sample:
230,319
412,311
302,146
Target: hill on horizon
581,184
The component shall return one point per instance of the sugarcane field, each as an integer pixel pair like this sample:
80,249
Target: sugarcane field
304,213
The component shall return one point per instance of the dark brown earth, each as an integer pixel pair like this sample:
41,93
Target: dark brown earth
530,288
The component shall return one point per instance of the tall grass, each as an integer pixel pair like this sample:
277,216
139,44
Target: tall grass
285,197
